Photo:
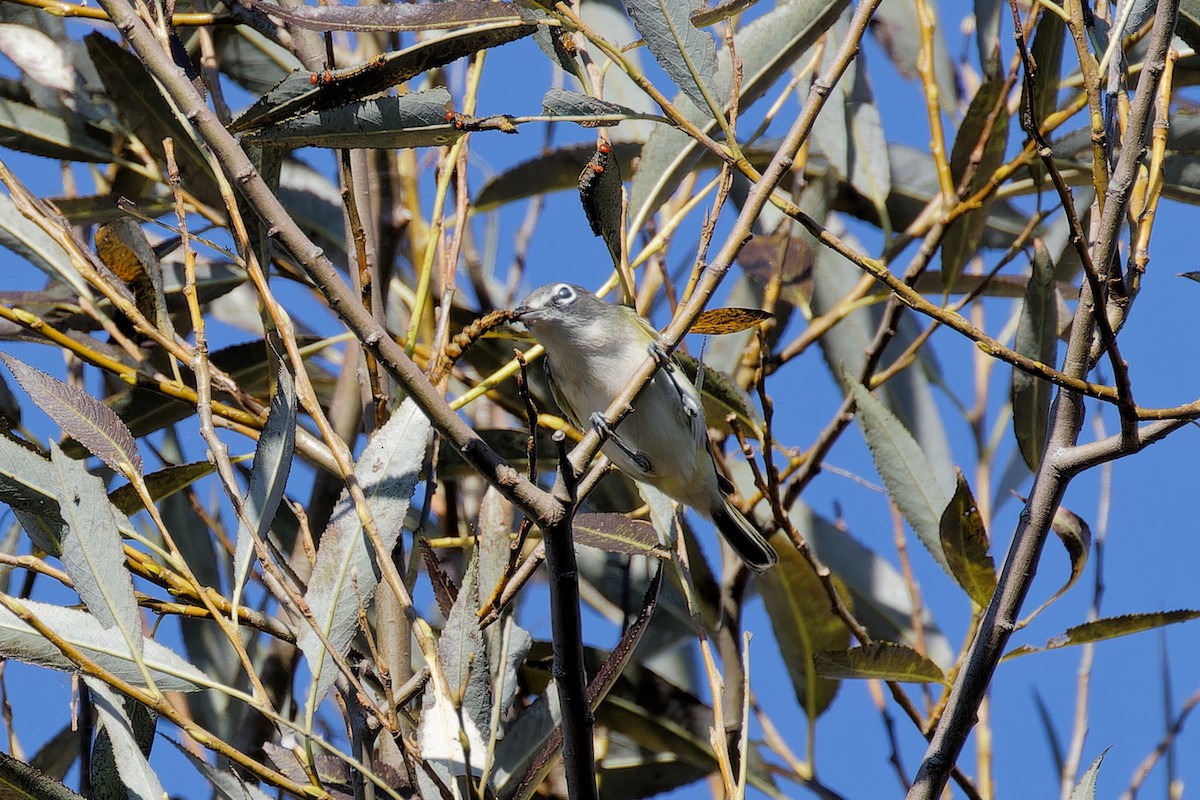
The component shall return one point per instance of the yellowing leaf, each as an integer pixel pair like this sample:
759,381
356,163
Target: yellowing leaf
717,321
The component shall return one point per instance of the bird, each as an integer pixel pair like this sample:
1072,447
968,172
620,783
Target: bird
593,348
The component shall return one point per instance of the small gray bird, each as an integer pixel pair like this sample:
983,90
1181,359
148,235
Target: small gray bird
592,350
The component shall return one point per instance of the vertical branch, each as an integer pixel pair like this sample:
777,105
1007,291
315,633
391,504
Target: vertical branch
570,672
933,103
1057,468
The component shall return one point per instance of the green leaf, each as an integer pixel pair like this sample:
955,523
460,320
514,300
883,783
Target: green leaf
21,781
911,483
530,745
908,395
849,132
596,112
62,136
417,119
303,92
1037,338
92,550
881,661
27,485
686,53
882,598
600,193
803,622
555,171
391,18
252,60
1109,628
617,533
139,105
964,235
1047,55
965,543
119,744
225,781
897,30
457,711
767,48
81,416
661,718
161,485
30,242
1076,536
1086,788
105,646
346,574
1188,26
268,480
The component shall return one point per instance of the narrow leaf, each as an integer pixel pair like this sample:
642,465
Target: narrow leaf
804,624
93,553
160,485
1047,54
617,533
457,709
139,106
767,48
30,242
417,119
882,599
911,483
1110,628
38,57
105,646
136,774
302,91
346,572
849,132
21,781
61,136
721,397
268,479
557,170
600,186
562,103
81,416
898,31
686,53
965,543
27,485
963,238
1086,788
391,18
881,661
1076,536
225,781
1037,338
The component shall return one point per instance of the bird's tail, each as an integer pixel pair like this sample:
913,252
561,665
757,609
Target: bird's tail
743,537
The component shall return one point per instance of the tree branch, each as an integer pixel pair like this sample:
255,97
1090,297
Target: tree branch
1056,468
342,300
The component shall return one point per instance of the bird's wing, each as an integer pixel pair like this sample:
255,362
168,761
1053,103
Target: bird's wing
564,406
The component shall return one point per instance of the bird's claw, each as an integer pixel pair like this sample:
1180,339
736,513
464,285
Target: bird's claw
605,430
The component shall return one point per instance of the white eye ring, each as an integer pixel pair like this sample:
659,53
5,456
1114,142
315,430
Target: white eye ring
564,294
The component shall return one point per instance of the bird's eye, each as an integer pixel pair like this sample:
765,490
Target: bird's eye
564,295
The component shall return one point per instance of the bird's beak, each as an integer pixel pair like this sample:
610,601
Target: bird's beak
522,313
